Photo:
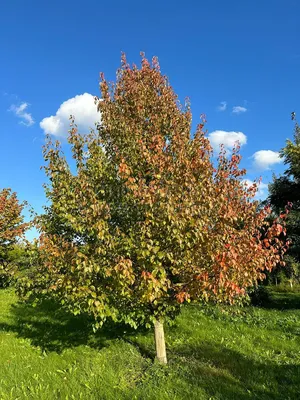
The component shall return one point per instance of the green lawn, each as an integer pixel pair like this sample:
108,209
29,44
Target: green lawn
253,353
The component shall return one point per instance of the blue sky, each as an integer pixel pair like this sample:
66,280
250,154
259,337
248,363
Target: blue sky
244,53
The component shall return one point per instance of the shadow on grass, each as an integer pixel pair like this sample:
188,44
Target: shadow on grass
283,300
52,328
227,374
221,372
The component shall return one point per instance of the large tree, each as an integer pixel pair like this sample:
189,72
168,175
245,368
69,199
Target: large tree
144,222
12,228
285,189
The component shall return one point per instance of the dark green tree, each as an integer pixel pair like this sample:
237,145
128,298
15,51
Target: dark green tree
285,189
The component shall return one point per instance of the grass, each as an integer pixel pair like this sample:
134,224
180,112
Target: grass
214,353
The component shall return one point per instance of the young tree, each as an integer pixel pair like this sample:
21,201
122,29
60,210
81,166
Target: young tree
12,227
146,222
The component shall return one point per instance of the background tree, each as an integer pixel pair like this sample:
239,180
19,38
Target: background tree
285,189
145,222
12,228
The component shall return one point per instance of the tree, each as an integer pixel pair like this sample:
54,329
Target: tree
12,227
285,189
144,222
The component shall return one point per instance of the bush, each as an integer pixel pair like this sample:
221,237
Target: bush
7,273
259,295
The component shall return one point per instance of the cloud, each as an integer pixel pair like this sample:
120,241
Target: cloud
83,108
20,112
228,139
264,159
222,106
239,109
262,191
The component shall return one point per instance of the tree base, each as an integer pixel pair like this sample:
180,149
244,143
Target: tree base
160,344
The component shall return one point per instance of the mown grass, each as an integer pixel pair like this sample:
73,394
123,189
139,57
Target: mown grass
214,353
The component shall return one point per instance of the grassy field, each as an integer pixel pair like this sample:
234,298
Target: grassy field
252,353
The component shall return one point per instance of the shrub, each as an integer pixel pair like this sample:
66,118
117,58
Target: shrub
259,295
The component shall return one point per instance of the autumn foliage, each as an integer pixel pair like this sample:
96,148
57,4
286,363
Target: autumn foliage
12,227
147,220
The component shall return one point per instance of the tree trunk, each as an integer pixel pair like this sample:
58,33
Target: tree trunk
160,342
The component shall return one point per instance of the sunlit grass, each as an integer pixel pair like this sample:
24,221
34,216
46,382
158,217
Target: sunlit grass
253,353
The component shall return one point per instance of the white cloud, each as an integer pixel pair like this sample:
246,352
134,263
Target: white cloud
264,159
239,109
82,107
228,139
222,106
20,112
262,191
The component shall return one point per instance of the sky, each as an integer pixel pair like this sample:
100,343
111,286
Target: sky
237,61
